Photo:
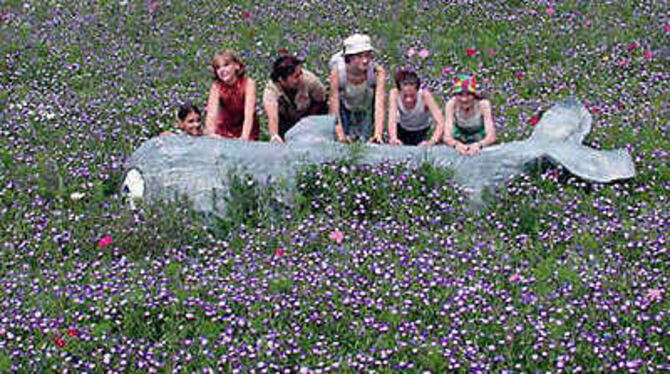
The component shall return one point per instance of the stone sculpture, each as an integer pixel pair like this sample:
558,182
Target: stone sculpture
200,168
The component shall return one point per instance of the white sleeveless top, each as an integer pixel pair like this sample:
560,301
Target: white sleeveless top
416,119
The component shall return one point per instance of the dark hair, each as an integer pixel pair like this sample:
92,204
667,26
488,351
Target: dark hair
406,77
185,109
284,66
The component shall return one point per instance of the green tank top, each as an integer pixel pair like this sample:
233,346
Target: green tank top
469,130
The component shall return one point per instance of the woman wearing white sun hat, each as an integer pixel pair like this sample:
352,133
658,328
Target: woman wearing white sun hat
357,91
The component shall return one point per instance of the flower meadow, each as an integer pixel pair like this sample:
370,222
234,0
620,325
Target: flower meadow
372,269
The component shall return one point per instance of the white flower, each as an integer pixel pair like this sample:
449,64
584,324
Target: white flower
77,195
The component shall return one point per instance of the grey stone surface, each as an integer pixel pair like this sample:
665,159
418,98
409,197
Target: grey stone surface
201,168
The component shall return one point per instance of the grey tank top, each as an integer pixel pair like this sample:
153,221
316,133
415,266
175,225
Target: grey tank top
418,118
471,125
358,97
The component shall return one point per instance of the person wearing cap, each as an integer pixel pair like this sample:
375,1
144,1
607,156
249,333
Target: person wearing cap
357,92
468,122
291,94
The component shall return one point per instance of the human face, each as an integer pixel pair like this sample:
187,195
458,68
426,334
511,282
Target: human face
191,124
360,61
408,93
292,82
465,98
227,71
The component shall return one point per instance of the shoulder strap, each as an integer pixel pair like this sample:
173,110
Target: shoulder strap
337,60
372,78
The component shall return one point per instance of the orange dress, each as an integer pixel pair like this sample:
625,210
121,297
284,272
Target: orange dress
230,119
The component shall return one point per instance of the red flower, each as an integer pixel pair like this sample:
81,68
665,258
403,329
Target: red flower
595,110
72,332
60,342
519,75
280,252
246,16
471,51
105,241
282,51
534,121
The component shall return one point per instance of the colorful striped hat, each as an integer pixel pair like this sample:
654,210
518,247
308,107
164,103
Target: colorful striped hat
464,83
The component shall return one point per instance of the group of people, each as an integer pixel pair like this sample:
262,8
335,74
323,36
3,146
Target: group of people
356,98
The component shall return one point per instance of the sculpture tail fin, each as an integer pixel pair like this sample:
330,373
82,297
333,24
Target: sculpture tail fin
560,134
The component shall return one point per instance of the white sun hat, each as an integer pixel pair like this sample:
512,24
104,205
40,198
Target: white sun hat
357,43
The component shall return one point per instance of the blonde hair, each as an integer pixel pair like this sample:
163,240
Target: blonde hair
228,55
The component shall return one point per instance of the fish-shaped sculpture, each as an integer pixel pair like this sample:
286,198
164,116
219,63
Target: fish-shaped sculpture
201,168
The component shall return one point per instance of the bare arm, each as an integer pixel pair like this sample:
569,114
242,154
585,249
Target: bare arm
334,104
448,134
249,107
271,108
429,101
393,117
490,138
380,97
212,111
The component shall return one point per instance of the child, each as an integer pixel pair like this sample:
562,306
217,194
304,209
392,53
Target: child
232,99
188,120
410,111
468,123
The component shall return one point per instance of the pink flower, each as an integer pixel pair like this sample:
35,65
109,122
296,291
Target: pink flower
446,70
337,236
471,51
633,46
623,63
534,120
667,29
411,52
654,295
154,5
491,52
514,278
519,75
551,11
246,16
587,23
424,53
4,15
105,241
648,54
595,110
280,252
